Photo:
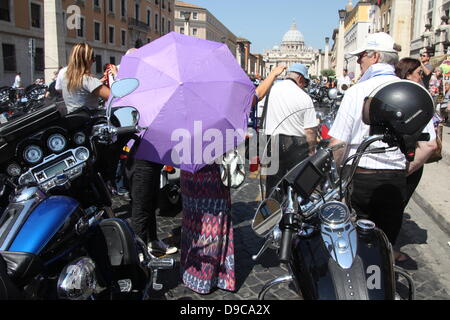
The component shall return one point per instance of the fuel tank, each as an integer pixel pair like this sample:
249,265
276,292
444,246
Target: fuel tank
37,224
321,272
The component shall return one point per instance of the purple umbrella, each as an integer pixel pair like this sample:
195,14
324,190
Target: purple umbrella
193,97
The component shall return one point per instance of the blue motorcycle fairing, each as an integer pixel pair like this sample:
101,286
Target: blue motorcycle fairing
43,223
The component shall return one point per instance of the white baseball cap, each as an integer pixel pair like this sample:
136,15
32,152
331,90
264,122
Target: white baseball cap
380,41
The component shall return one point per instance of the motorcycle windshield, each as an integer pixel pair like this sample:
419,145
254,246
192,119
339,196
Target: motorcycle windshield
30,122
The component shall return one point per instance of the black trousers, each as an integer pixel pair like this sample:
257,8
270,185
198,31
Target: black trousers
380,197
145,178
412,181
291,151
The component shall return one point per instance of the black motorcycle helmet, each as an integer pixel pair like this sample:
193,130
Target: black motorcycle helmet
400,109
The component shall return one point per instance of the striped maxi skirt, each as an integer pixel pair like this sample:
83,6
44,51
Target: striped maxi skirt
207,248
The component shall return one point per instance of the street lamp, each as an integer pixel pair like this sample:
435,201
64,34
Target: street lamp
187,17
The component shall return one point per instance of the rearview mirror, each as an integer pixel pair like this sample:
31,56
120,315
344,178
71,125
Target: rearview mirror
124,87
267,216
125,117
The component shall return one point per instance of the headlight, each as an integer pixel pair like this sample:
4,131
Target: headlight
77,280
82,154
33,154
14,170
56,142
79,138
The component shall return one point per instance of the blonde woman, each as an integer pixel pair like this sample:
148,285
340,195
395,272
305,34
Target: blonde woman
79,87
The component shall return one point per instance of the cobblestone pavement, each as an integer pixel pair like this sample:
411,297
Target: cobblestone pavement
429,262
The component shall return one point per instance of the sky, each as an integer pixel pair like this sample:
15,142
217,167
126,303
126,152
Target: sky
264,22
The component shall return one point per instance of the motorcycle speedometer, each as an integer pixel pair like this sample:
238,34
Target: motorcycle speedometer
56,142
79,138
33,154
334,213
82,154
14,170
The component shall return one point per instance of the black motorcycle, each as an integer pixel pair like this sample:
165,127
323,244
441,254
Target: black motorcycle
330,254
59,238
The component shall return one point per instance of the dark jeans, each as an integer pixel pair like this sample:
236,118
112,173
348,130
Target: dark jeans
291,151
144,183
412,181
380,197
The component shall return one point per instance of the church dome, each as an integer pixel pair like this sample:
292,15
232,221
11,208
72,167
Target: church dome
293,35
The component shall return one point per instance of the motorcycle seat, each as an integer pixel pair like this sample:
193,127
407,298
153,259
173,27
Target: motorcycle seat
21,265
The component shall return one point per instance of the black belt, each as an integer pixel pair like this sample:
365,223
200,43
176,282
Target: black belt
364,170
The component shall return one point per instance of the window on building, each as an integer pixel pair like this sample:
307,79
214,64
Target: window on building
9,57
169,26
195,15
156,22
39,62
80,31
124,37
182,30
168,5
5,13
136,11
123,8
163,4
156,2
149,15
149,40
194,31
98,64
111,5
97,31
111,34
35,15
96,3
112,60
163,23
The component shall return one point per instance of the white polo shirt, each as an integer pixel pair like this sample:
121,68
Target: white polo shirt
350,128
290,110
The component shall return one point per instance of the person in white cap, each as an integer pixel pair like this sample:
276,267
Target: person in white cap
379,185
291,121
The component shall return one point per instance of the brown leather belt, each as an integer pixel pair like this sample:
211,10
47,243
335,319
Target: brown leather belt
363,170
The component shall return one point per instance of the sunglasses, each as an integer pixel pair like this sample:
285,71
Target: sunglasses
362,55
424,55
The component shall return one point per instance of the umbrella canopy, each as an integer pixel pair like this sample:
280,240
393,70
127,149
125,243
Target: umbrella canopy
193,96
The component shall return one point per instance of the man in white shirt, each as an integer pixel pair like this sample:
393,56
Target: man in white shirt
344,79
291,121
379,185
17,81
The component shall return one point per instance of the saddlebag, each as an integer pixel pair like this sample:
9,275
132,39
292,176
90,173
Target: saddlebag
120,242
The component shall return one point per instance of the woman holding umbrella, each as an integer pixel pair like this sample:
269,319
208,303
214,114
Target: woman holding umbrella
190,87
207,244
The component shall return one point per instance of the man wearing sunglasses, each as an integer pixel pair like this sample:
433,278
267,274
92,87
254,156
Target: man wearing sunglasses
379,185
427,68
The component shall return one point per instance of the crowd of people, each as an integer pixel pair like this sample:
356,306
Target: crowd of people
382,185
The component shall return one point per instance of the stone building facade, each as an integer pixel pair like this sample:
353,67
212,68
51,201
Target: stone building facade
202,24
111,27
291,50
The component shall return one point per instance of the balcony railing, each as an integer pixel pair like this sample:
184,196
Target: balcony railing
136,24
